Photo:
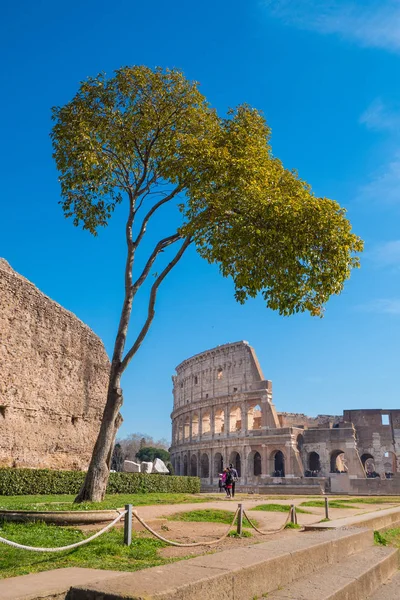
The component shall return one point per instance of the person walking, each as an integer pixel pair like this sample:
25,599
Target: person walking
235,478
220,482
228,481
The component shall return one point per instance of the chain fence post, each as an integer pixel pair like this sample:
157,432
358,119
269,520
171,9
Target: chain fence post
128,525
240,520
326,508
292,514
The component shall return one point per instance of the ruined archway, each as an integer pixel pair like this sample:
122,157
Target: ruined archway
195,425
219,421
279,463
206,423
368,462
204,466
193,465
254,417
218,464
257,469
235,419
186,429
338,464
314,462
234,460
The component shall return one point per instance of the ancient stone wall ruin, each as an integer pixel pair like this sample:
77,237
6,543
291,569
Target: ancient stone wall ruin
53,379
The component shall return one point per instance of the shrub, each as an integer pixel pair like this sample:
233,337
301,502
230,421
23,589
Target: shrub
23,482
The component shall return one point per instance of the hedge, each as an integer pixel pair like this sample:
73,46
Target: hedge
24,482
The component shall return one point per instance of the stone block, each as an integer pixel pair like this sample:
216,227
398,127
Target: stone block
159,467
146,467
131,467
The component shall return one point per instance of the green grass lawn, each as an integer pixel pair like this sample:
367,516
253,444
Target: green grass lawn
106,552
208,515
332,504
278,508
369,500
65,502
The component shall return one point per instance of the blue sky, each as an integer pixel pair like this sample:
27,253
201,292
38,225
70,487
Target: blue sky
327,77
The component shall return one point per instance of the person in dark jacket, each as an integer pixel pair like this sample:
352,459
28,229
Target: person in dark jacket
235,478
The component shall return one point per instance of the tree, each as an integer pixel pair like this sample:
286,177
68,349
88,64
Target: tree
133,442
118,457
150,138
149,454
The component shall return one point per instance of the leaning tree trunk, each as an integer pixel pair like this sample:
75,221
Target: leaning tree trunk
95,485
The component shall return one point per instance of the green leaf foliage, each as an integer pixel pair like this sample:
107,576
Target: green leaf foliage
150,454
19,482
144,131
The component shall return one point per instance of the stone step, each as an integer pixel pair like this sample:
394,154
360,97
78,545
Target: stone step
389,590
378,520
354,578
51,585
241,574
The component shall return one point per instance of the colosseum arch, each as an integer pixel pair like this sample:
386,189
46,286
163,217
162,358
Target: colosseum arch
254,417
254,464
206,423
195,425
219,421
368,462
186,429
314,462
185,465
178,465
193,465
235,460
338,461
235,419
278,463
180,430
204,466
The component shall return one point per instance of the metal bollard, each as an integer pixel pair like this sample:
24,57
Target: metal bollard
240,520
326,508
292,514
128,525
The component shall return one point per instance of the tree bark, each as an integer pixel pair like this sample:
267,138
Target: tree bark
95,484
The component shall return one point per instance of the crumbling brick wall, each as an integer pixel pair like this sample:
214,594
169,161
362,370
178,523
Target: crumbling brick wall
53,379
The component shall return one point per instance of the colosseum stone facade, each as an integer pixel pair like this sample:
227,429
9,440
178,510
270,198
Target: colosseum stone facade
53,379
223,413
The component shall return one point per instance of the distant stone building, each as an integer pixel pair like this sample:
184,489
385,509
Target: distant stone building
223,413
53,379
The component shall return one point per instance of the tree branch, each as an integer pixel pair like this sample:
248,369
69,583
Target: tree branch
152,211
151,311
162,244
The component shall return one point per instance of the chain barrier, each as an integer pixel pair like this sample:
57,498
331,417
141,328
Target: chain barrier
150,530
270,531
188,545
71,546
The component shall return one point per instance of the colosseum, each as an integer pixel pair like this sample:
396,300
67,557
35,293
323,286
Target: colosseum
224,413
